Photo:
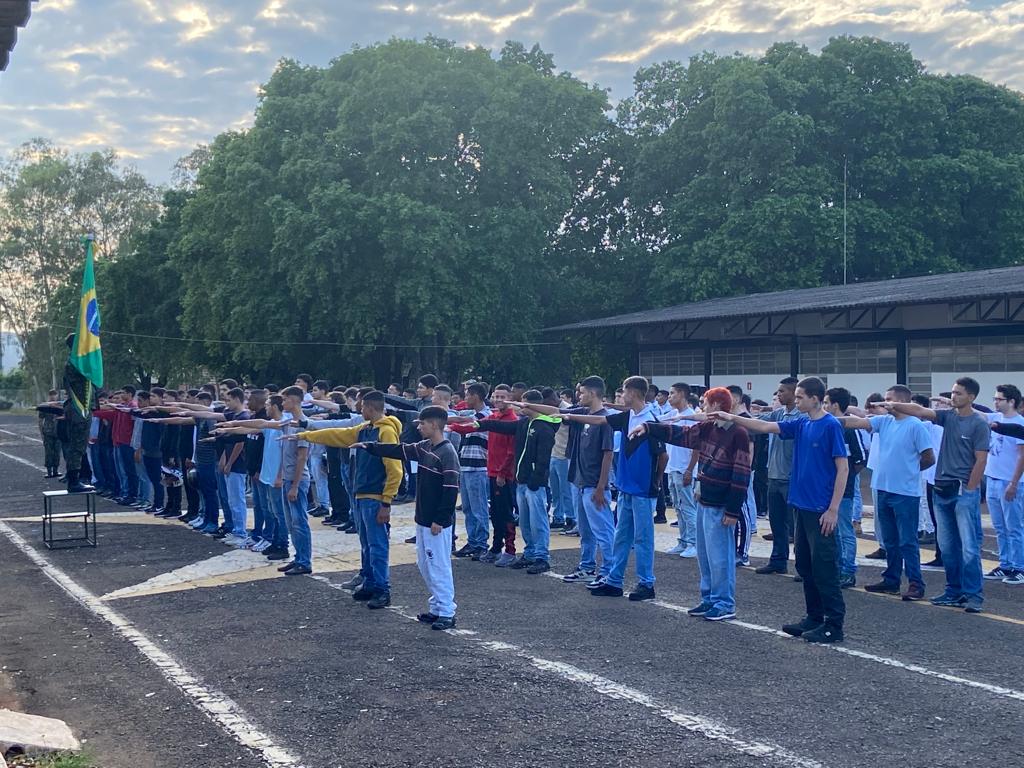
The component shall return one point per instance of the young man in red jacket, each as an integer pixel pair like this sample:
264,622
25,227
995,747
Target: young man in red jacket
501,473
122,425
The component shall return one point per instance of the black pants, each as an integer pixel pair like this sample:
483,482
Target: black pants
817,561
780,520
761,493
341,505
191,493
502,516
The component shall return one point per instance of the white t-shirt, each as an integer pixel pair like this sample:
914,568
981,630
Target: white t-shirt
936,432
1003,451
678,457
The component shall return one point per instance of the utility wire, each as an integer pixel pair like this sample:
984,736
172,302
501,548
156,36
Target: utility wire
342,344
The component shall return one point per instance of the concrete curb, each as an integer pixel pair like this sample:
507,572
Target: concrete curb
35,734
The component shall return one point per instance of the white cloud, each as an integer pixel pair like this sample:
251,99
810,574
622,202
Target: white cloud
167,67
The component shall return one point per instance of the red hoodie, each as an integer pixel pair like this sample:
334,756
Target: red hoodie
501,449
121,425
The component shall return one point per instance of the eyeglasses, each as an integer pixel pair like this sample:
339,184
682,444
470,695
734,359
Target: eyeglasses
998,399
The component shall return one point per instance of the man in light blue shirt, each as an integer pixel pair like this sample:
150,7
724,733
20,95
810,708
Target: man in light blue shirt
904,452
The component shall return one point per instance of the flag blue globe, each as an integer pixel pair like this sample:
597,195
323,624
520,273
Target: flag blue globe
92,317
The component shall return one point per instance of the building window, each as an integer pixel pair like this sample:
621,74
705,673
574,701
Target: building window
986,353
750,361
848,357
672,362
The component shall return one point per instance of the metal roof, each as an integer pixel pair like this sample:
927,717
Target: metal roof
13,14
928,289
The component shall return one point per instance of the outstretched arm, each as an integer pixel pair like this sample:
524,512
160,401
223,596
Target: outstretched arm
911,409
751,425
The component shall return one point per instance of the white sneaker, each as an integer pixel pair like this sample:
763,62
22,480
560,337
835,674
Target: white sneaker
198,523
233,541
248,543
262,546
676,550
689,552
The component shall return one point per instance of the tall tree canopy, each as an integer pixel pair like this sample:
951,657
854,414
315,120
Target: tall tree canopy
736,182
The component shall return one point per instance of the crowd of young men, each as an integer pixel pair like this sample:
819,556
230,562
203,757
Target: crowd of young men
591,465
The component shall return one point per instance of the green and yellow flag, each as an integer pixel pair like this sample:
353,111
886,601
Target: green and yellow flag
86,355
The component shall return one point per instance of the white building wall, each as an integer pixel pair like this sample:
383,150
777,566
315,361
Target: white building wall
860,384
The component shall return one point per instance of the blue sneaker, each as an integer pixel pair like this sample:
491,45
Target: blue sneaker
719,614
700,610
209,529
946,600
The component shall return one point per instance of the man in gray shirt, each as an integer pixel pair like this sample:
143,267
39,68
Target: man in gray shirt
957,495
780,465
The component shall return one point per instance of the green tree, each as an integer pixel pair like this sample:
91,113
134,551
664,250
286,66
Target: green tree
48,200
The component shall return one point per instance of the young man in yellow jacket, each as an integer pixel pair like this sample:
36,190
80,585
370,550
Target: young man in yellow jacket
375,482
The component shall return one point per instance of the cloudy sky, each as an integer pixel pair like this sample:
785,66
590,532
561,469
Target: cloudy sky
152,78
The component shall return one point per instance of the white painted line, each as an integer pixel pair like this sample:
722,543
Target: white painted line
215,705
696,724
20,460
997,690
23,437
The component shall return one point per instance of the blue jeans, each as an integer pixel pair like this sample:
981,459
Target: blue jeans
959,533
716,556
153,466
298,522
686,508
145,484
374,546
234,485
1008,520
847,539
276,502
222,497
126,463
858,502
475,491
318,469
100,480
533,521
597,531
896,519
561,491
635,530
264,521
207,476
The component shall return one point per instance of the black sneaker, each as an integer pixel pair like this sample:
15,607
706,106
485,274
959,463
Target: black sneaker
519,563
276,554
363,595
427,618
318,512
557,525
606,590
286,568
641,592
806,624
466,551
883,588
411,540
824,634
354,583
443,623
700,610
660,520
996,574
378,601
878,554
538,566
770,569
848,581
298,570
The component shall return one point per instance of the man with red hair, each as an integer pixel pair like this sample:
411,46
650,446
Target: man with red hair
723,474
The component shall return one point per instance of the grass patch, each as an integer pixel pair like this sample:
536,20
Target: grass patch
54,760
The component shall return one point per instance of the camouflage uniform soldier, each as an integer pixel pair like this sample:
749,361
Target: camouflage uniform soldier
48,430
78,408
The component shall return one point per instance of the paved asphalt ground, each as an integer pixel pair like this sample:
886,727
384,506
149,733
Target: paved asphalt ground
204,658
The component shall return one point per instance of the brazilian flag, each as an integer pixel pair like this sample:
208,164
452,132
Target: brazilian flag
86,355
